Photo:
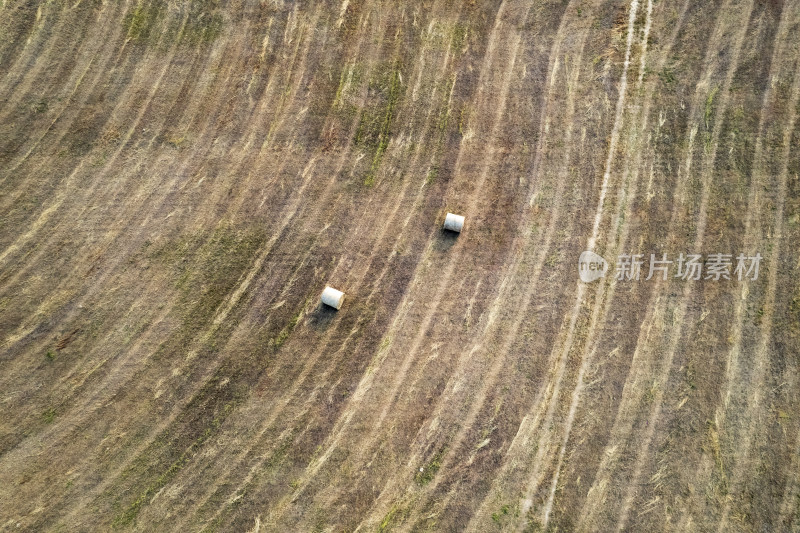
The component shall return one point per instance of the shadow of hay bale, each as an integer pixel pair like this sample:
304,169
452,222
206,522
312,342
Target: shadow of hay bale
322,316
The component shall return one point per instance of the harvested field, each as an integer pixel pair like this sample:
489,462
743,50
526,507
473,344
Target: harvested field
181,179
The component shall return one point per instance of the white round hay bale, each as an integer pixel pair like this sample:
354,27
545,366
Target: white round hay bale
453,222
332,297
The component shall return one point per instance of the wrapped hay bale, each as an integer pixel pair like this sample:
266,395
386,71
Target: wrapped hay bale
332,297
453,222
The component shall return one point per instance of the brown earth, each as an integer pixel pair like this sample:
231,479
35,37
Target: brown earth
180,179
